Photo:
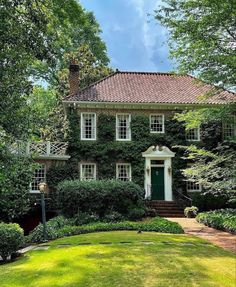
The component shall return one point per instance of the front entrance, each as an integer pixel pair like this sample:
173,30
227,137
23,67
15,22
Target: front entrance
157,183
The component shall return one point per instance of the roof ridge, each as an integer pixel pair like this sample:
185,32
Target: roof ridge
140,72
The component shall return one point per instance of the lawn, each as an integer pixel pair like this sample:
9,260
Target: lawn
123,258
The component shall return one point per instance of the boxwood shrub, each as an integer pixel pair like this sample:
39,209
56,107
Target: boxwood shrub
101,197
223,219
11,239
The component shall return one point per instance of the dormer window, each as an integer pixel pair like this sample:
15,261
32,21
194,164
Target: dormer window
123,131
157,123
88,126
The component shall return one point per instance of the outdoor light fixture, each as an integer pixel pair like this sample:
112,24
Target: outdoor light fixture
148,170
42,189
169,170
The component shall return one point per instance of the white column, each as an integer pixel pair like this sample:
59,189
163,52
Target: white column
168,180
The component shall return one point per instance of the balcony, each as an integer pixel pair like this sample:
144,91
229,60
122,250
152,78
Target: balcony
42,150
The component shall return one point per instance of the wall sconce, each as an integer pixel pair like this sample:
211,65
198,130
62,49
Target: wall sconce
169,170
148,170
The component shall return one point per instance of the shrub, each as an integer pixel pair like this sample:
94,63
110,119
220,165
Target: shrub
113,216
157,224
223,219
53,225
136,213
84,218
210,201
100,197
11,238
191,212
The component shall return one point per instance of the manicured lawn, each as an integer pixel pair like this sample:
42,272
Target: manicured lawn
147,259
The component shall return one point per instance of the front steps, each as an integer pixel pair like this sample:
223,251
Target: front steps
165,208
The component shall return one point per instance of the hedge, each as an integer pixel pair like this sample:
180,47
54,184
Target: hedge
157,224
100,197
223,219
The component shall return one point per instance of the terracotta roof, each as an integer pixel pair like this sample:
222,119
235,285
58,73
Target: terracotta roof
142,87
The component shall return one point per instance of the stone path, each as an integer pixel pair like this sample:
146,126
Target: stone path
217,237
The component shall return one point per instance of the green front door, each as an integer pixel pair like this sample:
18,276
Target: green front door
157,181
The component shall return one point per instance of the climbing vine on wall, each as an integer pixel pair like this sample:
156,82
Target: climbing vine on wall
106,152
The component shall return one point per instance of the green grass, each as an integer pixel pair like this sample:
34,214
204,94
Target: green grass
149,259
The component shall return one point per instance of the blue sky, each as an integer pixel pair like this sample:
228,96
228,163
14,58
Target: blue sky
134,40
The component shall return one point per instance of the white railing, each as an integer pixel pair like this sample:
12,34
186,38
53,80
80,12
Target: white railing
40,149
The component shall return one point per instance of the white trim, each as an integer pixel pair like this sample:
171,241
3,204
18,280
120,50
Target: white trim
82,127
94,172
163,123
228,126
130,170
193,190
159,153
44,179
198,135
129,127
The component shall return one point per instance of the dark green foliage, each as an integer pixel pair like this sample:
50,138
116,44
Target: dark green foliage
136,213
99,197
11,238
224,219
113,216
210,201
68,228
81,218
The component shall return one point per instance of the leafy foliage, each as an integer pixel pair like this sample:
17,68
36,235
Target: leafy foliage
191,211
99,197
157,224
202,37
224,219
11,238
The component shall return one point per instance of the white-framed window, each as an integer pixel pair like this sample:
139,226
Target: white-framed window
39,176
193,134
88,171
229,128
88,126
193,187
123,171
123,130
157,123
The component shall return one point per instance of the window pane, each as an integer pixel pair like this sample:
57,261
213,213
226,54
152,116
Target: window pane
88,126
192,186
123,127
157,123
88,171
157,162
124,172
229,128
39,176
193,134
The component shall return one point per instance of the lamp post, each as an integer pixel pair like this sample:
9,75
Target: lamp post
42,189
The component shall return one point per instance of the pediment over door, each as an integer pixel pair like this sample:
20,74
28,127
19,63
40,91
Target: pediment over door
158,152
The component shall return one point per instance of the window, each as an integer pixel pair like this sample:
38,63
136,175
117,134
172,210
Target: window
123,131
229,128
39,176
192,186
88,126
88,171
123,171
157,124
193,134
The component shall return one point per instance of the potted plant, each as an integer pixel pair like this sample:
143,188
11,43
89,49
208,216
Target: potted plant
191,212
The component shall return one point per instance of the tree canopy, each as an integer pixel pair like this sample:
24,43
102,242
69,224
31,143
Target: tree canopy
202,38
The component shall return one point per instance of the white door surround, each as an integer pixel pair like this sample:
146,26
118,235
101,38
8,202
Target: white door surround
158,153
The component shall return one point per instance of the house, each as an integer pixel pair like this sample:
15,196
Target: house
123,127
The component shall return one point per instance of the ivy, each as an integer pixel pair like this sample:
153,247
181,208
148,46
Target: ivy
106,151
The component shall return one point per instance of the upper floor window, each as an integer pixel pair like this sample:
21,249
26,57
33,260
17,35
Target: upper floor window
193,134
87,171
123,131
193,187
229,128
88,126
39,176
123,171
157,123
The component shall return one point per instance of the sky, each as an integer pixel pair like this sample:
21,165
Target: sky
134,40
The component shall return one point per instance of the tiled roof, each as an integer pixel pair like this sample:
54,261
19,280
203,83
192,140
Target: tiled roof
142,87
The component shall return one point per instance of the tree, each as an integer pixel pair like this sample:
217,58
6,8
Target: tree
202,38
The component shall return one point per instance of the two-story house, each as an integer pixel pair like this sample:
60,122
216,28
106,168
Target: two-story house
123,128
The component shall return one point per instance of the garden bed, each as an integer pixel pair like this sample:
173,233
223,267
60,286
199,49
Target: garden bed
222,219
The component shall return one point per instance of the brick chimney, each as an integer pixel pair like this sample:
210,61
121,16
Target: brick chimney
74,77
